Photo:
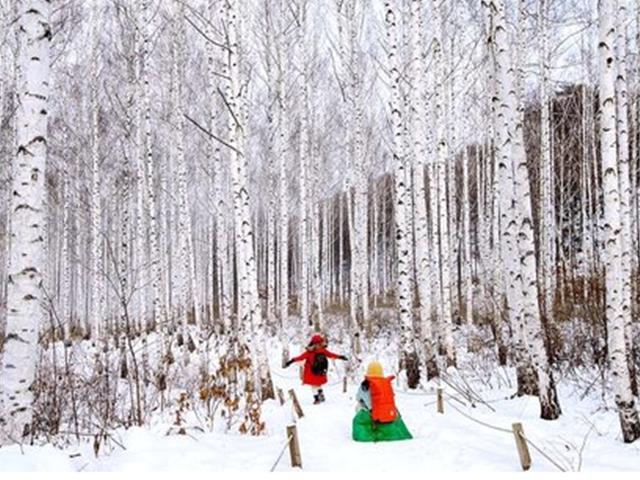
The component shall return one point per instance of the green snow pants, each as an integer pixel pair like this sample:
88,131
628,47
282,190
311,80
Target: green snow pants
364,429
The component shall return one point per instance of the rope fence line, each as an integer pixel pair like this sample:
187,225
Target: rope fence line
282,450
336,382
540,451
480,422
466,391
424,393
504,430
295,377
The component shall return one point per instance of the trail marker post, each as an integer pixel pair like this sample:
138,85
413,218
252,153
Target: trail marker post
521,445
440,400
294,446
296,404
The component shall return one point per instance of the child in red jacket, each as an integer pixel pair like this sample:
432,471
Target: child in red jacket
315,365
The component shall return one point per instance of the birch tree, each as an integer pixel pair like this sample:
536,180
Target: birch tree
188,293
440,186
622,124
419,73
547,216
408,355
249,314
612,226
27,253
516,222
95,235
282,152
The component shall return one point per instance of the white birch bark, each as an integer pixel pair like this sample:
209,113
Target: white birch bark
65,260
505,216
27,250
271,238
434,243
401,194
612,225
188,294
224,274
547,217
419,138
282,150
6,77
159,312
467,265
516,225
303,158
530,313
139,247
361,197
96,279
446,322
622,116
250,319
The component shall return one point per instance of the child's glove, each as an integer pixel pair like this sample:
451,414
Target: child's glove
342,357
289,362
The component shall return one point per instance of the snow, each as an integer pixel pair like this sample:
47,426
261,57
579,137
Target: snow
447,442
34,459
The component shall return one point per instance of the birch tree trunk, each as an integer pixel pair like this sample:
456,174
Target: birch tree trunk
250,319
467,265
408,355
159,316
272,111
528,282
188,294
547,217
518,250
27,249
612,226
96,282
446,322
358,242
622,114
224,274
282,150
301,50
420,137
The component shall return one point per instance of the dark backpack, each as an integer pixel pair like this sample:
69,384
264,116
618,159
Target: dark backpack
320,364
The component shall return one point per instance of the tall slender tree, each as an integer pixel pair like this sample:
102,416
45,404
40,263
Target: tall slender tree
27,250
612,225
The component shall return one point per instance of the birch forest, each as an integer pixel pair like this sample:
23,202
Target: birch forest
192,188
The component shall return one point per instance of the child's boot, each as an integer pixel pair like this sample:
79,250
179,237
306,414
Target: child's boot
321,396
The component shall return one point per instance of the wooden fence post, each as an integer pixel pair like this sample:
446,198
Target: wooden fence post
440,400
344,385
521,444
296,404
280,396
294,446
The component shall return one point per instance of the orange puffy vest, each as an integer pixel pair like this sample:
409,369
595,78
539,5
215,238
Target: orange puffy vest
383,405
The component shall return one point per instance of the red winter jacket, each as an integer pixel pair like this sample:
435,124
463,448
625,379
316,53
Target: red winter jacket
310,378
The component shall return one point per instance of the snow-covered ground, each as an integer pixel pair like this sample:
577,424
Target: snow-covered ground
586,437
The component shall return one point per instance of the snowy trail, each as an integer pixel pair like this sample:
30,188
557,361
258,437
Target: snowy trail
451,441
442,442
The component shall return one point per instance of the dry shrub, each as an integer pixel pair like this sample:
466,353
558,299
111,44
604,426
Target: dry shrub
231,390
